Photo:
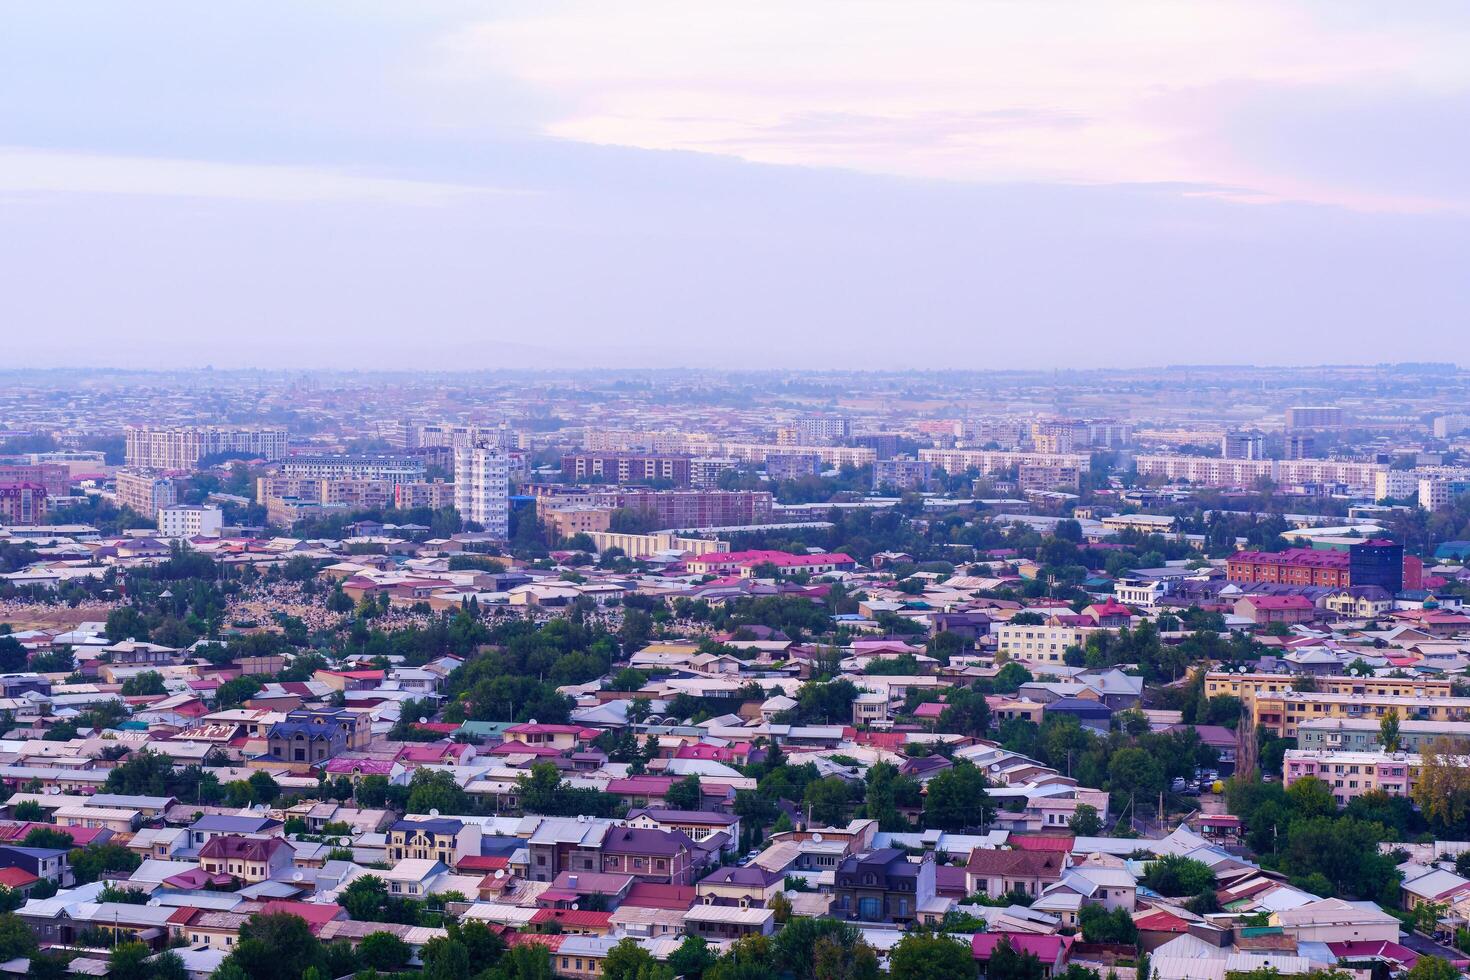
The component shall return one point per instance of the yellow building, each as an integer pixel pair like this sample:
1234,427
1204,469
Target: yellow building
1280,713
1039,644
1245,686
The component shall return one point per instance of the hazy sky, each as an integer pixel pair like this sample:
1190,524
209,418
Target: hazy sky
849,183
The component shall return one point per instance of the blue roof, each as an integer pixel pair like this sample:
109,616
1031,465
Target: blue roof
232,824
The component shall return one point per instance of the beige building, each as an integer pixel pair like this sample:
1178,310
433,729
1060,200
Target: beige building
1042,477
644,545
993,460
145,492
181,447
563,522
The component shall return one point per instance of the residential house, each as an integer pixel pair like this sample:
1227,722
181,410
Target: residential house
250,859
997,873
726,922
442,839
650,855
883,886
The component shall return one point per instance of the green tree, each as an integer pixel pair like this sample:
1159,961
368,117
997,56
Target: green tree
264,788
167,965
1085,821
1176,876
692,958
90,863
1008,963
684,795
236,691
147,683
930,956
1432,968
1388,730
1133,772
1101,926
16,938
956,799
793,949
1311,797
129,961
372,791
436,790
278,946
29,810
384,951
630,961
525,961
445,959
835,960
826,800
49,837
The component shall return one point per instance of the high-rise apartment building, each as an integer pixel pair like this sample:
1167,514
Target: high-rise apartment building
387,468
619,467
902,473
814,430
482,488
1242,445
1313,417
22,504
704,472
1300,445
954,461
182,447
146,492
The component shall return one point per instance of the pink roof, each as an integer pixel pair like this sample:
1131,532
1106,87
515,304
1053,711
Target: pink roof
316,914
1042,842
367,767
521,748
1365,949
541,729
195,879
1049,949
656,785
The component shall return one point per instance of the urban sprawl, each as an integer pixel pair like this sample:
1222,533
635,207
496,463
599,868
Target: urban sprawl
1097,675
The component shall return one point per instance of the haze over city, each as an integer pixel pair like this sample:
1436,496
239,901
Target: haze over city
848,185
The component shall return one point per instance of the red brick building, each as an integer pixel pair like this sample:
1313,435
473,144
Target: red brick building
1294,566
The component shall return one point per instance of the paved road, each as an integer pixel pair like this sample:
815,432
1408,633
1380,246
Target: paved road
1424,945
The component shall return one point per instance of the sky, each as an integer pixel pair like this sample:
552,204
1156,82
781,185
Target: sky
828,183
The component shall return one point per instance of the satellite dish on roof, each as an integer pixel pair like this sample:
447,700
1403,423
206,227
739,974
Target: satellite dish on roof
575,906
423,720
531,722
816,838
434,812
297,876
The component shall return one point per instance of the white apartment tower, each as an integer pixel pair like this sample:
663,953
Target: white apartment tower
482,488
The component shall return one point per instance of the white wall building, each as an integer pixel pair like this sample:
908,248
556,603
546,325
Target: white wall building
190,521
482,488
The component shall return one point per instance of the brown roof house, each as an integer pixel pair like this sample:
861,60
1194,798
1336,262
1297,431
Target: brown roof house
997,873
